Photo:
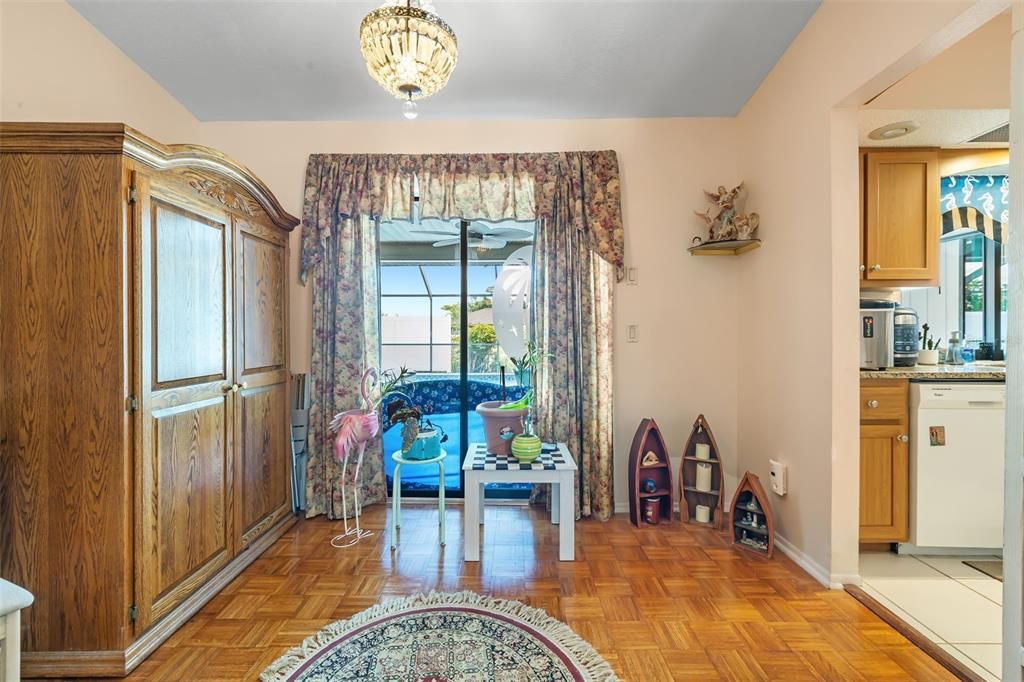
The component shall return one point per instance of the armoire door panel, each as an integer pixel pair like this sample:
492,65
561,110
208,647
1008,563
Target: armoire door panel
189,295
262,459
191,453
262,435
187,458
264,267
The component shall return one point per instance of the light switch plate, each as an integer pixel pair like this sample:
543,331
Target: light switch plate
633,333
632,275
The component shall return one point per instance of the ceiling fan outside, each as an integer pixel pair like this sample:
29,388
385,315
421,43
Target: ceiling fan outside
480,236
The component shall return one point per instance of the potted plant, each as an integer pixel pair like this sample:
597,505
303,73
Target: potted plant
929,353
523,367
502,420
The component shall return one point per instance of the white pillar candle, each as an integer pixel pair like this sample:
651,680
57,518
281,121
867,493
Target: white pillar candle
703,451
703,513
704,477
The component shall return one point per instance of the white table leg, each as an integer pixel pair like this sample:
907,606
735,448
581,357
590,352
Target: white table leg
567,512
556,490
12,647
472,515
483,498
396,503
440,497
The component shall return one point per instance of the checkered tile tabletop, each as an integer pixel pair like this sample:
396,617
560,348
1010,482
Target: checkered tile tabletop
553,457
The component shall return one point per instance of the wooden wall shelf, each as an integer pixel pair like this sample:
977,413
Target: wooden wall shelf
750,499
733,247
648,439
690,496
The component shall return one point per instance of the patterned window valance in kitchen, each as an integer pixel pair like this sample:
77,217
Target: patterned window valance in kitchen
976,202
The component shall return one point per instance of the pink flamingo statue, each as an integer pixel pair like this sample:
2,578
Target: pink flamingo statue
354,428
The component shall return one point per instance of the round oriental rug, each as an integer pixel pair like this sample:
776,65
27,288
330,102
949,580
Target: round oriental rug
441,637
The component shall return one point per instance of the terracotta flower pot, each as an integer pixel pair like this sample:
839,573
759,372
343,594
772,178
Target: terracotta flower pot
500,426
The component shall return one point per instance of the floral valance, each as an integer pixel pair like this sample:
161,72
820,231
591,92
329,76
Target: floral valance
488,187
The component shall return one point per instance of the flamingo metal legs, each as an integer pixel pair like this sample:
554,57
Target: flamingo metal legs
353,534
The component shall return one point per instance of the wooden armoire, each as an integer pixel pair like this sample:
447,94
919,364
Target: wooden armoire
144,436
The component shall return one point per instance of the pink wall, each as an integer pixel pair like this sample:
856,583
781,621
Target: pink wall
684,363
798,154
54,66
970,75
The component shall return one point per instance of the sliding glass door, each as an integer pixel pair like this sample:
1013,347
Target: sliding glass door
454,306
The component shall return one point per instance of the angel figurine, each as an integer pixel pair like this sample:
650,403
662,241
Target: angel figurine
723,220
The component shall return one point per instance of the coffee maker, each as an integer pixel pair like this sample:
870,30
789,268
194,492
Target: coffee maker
905,341
877,333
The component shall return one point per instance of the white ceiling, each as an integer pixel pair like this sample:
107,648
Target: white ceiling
231,60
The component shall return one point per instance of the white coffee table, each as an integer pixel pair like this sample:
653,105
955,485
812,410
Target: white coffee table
554,466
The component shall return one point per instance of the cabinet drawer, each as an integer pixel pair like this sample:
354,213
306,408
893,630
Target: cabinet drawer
884,400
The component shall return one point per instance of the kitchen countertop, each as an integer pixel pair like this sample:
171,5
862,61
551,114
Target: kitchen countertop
978,371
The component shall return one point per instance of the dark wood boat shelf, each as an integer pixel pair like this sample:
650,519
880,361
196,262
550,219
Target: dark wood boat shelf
648,439
689,496
750,498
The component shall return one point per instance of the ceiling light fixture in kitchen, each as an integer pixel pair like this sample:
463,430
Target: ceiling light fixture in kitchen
894,130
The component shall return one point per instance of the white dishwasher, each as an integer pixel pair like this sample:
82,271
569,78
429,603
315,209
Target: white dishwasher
956,465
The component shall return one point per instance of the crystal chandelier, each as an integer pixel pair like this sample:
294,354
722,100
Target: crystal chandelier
408,49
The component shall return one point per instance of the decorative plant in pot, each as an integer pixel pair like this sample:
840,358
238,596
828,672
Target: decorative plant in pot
929,353
503,421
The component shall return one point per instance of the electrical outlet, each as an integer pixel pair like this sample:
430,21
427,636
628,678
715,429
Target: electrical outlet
777,473
633,333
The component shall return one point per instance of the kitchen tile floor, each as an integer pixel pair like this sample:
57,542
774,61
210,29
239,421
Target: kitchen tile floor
947,601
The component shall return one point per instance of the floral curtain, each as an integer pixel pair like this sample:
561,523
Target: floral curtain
575,199
344,342
573,329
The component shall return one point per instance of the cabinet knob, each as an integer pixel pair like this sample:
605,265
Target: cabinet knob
903,438
862,268
227,388
872,404
244,385
876,267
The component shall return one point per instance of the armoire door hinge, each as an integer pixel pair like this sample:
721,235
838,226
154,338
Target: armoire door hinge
131,403
133,613
131,195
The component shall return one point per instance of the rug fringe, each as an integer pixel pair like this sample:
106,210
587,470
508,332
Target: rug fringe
580,651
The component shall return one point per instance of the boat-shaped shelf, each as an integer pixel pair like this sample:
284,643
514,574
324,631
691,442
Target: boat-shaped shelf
690,495
751,525
648,444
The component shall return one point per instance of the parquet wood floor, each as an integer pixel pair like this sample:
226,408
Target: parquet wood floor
659,603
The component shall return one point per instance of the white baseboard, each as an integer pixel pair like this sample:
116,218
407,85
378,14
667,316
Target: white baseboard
813,568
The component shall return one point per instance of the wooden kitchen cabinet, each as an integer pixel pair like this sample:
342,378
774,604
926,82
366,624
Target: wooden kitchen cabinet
900,218
884,461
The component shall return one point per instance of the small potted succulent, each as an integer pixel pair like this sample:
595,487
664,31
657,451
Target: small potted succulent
929,353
